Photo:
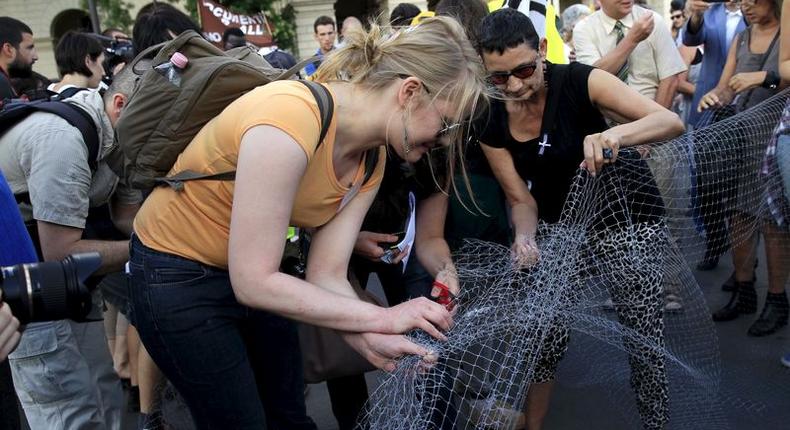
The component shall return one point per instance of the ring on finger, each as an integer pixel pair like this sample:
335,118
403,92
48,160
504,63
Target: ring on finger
608,153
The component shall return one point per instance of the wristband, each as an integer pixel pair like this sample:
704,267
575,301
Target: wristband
771,80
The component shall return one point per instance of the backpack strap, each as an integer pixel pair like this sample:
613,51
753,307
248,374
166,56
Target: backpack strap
371,160
80,119
13,113
176,181
326,108
68,92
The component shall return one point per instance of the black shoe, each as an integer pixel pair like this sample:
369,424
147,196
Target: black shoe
743,301
729,284
708,263
773,317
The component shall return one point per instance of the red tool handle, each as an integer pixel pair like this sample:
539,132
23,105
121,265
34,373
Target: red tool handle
445,297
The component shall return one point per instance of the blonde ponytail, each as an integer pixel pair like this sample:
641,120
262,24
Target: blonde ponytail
436,51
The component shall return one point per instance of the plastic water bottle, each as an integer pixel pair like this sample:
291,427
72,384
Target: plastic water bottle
173,68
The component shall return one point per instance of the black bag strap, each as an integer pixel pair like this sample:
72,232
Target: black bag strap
13,113
326,108
762,63
68,92
323,97
176,181
371,160
80,119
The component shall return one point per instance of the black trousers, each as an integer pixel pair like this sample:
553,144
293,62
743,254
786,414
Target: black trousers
9,407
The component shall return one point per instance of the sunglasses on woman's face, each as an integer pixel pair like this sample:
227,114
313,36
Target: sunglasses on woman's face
523,71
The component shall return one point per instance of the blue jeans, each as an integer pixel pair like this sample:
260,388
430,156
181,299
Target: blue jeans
235,367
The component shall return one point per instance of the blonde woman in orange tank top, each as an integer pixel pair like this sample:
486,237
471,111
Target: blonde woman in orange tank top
208,298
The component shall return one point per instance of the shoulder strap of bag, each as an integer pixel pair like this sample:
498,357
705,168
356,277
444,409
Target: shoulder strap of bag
762,63
68,92
79,119
371,160
323,96
326,108
74,115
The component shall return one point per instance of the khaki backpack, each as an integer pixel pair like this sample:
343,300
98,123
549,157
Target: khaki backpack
160,118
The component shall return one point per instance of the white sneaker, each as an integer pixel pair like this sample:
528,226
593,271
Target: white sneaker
672,303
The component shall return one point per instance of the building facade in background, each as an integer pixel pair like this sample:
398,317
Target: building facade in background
50,19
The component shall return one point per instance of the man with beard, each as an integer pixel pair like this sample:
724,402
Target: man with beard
17,54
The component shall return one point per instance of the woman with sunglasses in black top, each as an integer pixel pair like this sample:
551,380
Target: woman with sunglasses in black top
550,121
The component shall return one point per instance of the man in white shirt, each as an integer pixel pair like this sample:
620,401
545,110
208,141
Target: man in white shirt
634,44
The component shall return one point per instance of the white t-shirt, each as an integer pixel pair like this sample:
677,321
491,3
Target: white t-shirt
733,19
653,59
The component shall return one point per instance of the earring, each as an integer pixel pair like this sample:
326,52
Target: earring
405,144
545,73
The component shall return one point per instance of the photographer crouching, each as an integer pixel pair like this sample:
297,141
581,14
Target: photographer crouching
9,330
16,247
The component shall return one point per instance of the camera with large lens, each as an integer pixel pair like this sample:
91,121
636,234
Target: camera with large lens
116,51
50,291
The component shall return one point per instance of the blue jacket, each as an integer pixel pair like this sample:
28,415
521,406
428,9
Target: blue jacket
712,34
15,244
312,67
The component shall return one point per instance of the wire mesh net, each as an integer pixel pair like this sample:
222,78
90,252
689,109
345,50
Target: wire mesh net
626,241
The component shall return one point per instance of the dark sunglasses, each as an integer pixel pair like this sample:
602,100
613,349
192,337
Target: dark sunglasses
523,71
677,16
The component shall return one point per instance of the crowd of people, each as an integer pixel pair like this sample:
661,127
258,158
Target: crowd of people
468,128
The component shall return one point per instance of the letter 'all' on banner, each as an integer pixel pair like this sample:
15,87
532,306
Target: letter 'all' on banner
216,18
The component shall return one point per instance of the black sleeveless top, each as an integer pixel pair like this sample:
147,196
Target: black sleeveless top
549,163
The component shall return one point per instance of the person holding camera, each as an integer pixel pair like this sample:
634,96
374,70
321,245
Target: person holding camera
68,197
9,329
13,232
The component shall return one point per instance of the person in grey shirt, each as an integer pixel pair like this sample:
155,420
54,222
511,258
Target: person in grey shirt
62,370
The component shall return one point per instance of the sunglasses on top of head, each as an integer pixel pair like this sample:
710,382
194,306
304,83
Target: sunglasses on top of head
523,71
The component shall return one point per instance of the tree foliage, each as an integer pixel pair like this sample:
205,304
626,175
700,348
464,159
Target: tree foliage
113,13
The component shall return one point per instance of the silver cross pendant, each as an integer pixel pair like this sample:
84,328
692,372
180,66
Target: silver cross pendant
543,144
